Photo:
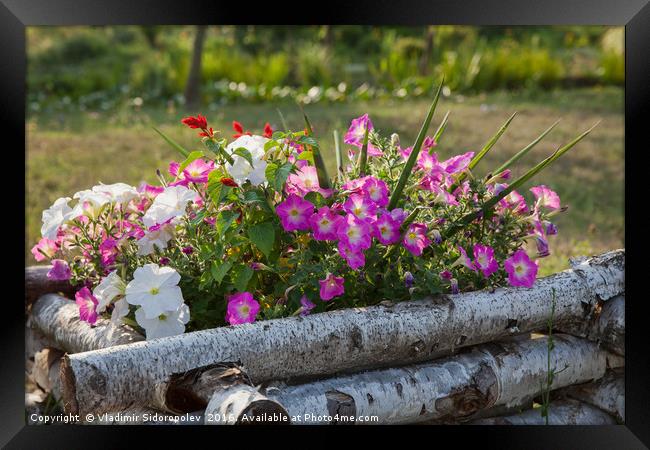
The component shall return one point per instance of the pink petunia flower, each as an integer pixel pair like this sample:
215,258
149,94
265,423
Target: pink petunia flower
386,229
457,163
305,181
294,213
427,162
356,133
306,305
198,171
513,200
464,260
521,269
45,249
545,197
361,206
242,308
87,305
484,259
376,190
331,287
108,251
355,259
415,238
60,270
324,224
354,233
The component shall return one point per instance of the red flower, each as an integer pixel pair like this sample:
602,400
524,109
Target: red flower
196,122
239,129
209,133
268,131
228,182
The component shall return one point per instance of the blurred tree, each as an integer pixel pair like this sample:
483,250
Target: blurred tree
192,89
151,35
425,61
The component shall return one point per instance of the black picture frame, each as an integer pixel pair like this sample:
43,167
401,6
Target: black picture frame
15,15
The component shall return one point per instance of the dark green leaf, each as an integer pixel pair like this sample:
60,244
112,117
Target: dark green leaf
244,153
263,236
224,220
241,276
219,271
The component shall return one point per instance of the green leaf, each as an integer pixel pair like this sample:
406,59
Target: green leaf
410,162
217,190
172,142
306,156
277,175
321,171
337,150
487,209
524,150
219,271
244,153
263,236
224,220
315,198
242,276
440,130
363,156
189,160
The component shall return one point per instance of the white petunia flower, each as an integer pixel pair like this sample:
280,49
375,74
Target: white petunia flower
156,289
120,310
119,192
54,216
168,204
90,203
159,238
109,288
167,324
241,170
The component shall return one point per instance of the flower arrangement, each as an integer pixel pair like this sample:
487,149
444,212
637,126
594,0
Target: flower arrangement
254,228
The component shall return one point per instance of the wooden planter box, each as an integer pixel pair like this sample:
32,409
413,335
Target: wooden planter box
451,359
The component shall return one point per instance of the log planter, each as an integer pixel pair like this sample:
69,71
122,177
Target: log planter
445,359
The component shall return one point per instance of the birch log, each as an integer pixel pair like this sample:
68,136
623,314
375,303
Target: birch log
495,374
57,318
37,284
561,412
45,371
327,343
607,327
608,394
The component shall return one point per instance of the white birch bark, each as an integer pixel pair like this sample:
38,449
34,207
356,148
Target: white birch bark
57,318
37,284
561,412
495,374
45,371
243,404
607,327
608,394
327,343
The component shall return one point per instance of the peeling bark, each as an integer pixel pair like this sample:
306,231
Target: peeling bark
45,371
57,318
243,405
37,284
561,412
502,374
607,326
608,394
328,343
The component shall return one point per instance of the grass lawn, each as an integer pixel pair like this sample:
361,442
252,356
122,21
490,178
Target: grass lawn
68,152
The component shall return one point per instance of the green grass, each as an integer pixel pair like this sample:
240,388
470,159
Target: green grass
66,153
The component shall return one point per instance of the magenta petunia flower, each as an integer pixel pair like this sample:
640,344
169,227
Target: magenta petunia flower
354,233
306,305
60,270
464,260
331,287
87,305
356,133
304,181
427,162
361,206
542,246
521,269
294,213
514,200
376,190
198,171
386,229
446,275
484,259
355,185
108,251
324,224
45,249
545,197
355,259
415,238
242,308
399,214
457,163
